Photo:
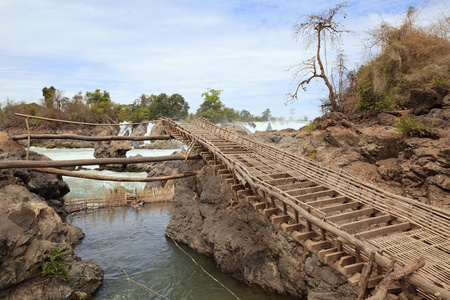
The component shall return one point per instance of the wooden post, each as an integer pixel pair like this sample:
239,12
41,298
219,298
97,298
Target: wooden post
382,288
365,274
28,143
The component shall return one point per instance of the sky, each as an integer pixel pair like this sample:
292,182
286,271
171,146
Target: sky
135,47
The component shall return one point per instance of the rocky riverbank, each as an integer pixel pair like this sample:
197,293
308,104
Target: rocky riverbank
36,244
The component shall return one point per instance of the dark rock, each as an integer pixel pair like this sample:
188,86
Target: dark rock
277,139
29,229
332,119
424,99
385,119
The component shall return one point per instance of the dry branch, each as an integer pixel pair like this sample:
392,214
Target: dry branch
90,138
382,288
8,164
111,178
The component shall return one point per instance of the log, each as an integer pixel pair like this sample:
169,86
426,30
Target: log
111,178
382,289
75,122
364,279
8,164
96,138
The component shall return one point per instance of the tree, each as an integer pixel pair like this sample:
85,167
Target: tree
97,97
49,96
266,115
316,30
172,107
212,108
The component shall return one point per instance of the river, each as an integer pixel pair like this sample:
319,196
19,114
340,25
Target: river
139,261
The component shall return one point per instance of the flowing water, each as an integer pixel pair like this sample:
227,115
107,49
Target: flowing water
139,261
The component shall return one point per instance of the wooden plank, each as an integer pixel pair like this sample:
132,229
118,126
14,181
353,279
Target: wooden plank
292,227
365,223
270,211
300,236
244,192
353,268
89,162
93,138
323,252
230,181
332,257
350,215
218,167
226,176
340,207
223,171
237,187
252,198
296,185
307,190
259,206
315,246
314,196
384,230
280,219
111,178
281,181
346,260
320,203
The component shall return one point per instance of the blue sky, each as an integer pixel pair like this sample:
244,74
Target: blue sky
139,47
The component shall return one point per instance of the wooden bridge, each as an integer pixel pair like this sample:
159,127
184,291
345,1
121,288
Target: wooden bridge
354,226
374,237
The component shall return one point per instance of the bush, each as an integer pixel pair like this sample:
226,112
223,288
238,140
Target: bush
408,126
310,127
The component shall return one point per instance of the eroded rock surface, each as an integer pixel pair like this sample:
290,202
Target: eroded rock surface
29,229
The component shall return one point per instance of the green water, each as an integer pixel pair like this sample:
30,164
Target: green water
122,238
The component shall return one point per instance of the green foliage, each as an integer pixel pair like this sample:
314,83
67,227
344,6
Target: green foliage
310,127
54,264
164,106
408,126
97,97
369,101
49,96
212,108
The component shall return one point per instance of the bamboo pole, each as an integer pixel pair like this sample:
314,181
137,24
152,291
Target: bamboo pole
79,123
111,178
28,137
8,164
38,136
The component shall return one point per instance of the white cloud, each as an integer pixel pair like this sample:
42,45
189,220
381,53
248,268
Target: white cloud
135,47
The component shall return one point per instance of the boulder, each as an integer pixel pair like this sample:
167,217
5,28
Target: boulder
332,119
424,99
31,233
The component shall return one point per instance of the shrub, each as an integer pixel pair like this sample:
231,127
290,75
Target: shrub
310,127
408,126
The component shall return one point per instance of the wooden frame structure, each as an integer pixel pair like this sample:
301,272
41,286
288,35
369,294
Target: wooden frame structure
338,216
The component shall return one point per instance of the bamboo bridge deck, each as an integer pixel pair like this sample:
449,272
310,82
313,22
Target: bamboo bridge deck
332,213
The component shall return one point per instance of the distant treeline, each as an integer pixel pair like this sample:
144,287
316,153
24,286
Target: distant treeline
97,107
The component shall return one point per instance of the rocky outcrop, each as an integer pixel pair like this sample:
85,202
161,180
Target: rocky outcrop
208,218
111,149
36,257
29,231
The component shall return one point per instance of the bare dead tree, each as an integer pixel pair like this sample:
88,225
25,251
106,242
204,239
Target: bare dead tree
316,30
